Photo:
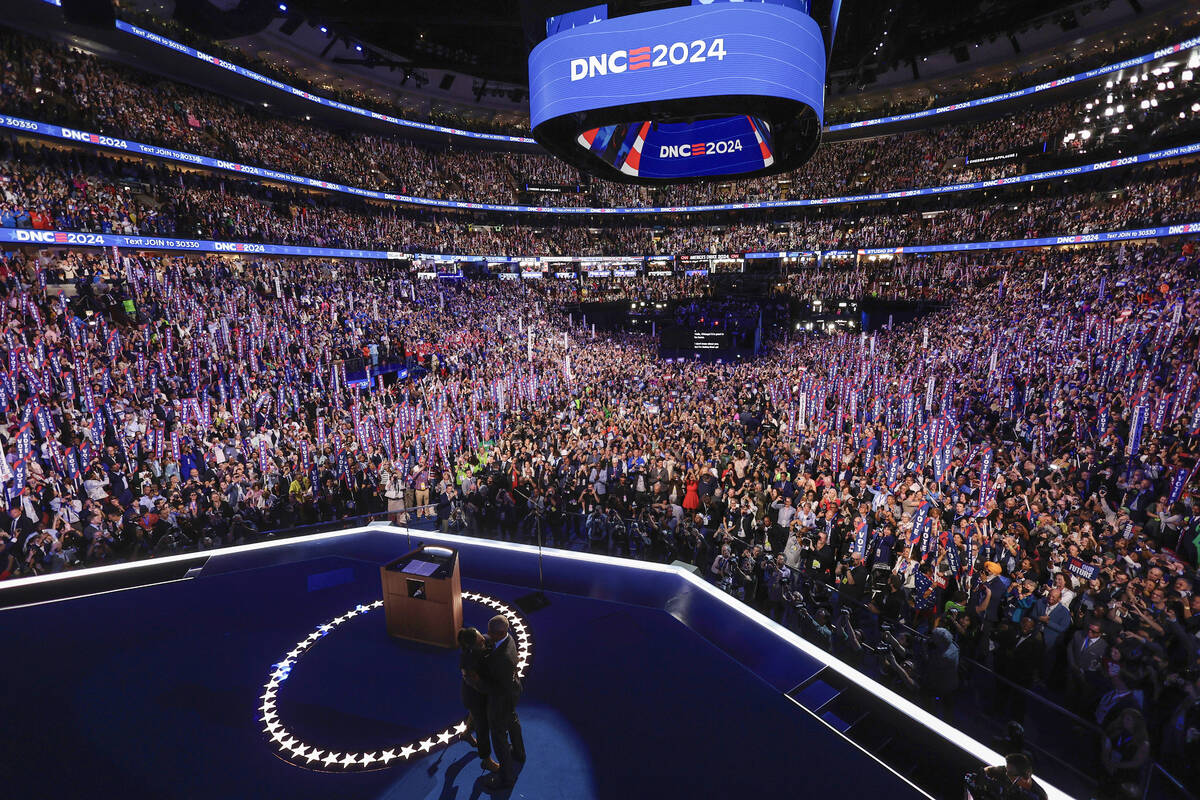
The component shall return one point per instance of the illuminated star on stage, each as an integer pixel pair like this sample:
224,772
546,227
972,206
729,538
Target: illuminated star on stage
291,747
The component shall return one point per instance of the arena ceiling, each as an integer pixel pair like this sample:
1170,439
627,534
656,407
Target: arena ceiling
491,38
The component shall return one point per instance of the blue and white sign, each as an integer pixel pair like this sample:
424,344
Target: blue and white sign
724,49
607,94
683,150
1146,58
28,126
45,238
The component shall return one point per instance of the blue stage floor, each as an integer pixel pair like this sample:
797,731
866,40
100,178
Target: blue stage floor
153,693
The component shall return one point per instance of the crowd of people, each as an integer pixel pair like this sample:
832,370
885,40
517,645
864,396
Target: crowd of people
56,189
1014,468
49,83
1006,481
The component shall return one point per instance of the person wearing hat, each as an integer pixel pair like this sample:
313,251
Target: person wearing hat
990,595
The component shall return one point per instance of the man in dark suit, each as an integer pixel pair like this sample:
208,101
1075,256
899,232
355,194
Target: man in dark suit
1085,658
503,687
1019,656
473,650
20,527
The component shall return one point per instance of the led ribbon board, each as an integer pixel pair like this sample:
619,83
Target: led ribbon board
689,93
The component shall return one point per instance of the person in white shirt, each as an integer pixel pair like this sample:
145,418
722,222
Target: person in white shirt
1064,582
906,567
96,485
806,517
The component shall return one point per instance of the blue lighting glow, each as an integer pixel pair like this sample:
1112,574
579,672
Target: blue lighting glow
28,126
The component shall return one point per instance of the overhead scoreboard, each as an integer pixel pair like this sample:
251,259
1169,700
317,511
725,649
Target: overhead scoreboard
686,93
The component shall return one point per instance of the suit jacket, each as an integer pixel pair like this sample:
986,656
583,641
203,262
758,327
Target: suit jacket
1021,658
499,677
1060,621
1087,659
472,690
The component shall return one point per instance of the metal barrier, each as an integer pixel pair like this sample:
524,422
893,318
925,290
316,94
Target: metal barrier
1162,785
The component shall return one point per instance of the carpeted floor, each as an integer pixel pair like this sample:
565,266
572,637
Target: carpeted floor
153,692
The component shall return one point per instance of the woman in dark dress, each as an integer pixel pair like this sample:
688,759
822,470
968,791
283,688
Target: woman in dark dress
472,651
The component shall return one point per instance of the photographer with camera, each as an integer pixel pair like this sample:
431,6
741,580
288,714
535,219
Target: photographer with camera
851,577
721,571
818,558
814,625
747,575
396,490
895,661
778,578
1011,781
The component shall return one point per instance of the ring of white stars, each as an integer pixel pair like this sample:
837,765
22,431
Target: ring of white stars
303,754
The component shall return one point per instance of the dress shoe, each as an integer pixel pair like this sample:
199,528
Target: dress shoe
519,756
495,782
490,765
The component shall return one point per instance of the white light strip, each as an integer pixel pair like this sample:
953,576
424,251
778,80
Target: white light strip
89,595
302,754
951,734
946,731
13,583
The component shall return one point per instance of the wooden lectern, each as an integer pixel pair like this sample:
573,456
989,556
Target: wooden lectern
422,596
